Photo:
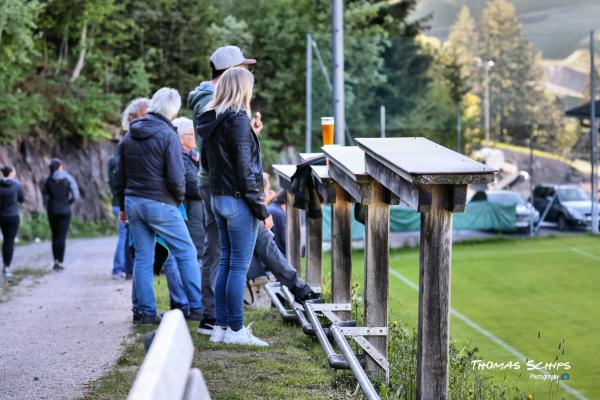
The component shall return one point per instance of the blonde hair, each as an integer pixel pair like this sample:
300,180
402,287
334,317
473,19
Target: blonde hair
233,91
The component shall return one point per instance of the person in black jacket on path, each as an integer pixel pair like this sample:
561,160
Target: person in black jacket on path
231,155
11,196
60,192
150,184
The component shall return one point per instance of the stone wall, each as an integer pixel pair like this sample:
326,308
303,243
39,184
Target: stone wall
86,161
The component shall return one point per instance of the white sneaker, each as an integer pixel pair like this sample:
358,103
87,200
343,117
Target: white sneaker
243,336
218,334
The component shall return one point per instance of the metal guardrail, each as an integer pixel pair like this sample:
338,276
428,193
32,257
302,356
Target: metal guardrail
335,360
311,325
357,370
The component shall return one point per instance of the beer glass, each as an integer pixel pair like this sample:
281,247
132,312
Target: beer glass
327,130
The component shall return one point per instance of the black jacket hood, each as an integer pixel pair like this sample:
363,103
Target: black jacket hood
208,122
148,126
7,182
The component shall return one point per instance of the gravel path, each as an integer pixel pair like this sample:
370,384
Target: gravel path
64,329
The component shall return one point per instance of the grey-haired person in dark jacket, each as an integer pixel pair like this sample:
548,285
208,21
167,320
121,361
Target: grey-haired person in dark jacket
151,185
11,196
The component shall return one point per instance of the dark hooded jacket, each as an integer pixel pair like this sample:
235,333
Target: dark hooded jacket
231,155
11,195
60,191
150,164
191,164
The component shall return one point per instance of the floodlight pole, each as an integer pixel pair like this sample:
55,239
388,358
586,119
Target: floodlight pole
308,92
337,15
594,135
486,99
382,121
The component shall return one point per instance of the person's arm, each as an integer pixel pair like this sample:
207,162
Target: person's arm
45,193
240,151
73,188
20,196
120,179
192,188
174,168
111,169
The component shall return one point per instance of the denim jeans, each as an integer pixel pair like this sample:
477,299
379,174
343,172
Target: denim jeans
176,291
268,254
178,297
119,258
148,218
237,235
210,257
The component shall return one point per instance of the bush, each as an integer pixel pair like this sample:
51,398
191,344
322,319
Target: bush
35,225
464,382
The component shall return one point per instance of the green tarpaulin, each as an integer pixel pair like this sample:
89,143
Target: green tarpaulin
479,215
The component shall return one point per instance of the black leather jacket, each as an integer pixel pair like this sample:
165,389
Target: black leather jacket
231,155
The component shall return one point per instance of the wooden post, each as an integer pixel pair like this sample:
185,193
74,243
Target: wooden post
341,249
434,298
432,179
292,234
314,251
376,272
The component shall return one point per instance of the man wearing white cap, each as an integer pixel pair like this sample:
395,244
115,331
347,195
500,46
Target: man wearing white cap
265,250
221,60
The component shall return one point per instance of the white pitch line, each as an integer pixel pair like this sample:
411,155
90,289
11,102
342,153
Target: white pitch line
491,336
585,253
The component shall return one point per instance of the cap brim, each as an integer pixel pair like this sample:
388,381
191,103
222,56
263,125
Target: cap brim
248,61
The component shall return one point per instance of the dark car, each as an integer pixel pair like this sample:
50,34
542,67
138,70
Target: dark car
571,205
524,210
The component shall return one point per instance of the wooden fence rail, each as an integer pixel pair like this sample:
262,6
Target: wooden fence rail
380,172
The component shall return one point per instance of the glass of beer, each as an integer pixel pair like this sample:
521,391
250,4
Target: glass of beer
327,130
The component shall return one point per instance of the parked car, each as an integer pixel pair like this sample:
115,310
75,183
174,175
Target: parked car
524,210
571,207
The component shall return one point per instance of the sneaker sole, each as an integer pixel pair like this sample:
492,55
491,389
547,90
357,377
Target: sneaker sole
246,344
202,331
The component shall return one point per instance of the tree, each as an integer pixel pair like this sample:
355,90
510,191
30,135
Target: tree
406,67
18,107
278,31
464,43
515,90
457,85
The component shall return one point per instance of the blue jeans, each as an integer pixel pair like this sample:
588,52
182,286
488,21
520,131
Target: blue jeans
237,234
176,291
119,258
148,218
178,296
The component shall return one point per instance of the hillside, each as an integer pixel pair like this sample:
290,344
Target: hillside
555,27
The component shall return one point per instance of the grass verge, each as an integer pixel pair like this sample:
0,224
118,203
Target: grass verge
292,367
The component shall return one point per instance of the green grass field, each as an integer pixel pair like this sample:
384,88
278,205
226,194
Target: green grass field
515,298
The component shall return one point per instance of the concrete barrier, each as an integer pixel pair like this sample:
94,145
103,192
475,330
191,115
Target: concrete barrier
165,373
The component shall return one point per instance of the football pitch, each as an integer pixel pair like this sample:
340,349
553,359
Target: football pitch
518,300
